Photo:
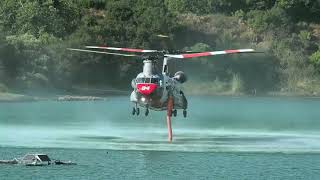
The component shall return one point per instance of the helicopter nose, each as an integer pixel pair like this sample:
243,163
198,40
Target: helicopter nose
146,88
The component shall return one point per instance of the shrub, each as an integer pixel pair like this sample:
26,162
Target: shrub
3,88
315,59
236,84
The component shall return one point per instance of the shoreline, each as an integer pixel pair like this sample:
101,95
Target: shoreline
13,97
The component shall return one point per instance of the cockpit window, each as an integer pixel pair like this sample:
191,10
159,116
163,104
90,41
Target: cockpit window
147,80
155,80
140,80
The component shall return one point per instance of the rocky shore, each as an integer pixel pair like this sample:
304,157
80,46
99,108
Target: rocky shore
11,97
80,98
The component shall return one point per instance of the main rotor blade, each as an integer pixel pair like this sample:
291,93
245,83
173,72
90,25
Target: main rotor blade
122,49
162,36
213,53
101,52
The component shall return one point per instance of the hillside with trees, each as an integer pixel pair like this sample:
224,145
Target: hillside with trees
35,35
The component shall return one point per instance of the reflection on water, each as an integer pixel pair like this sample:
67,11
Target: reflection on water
214,124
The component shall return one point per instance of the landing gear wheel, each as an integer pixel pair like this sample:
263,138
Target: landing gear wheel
147,112
184,113
138,111
174,112
133,111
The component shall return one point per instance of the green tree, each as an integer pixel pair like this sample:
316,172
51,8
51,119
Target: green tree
274,19
307,10
315,59
54,17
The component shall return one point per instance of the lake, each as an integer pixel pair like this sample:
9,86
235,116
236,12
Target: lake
222,138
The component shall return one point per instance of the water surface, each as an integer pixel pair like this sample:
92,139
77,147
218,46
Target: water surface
222,138
214,124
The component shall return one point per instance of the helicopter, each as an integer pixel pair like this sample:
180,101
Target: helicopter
155,89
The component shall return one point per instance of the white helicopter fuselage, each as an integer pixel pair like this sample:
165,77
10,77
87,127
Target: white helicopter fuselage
151,90
158,90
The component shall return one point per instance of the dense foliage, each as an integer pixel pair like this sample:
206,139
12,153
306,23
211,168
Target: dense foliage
34,35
